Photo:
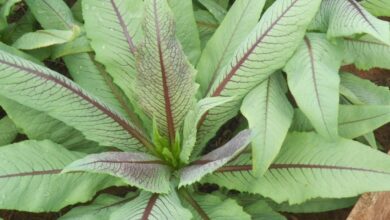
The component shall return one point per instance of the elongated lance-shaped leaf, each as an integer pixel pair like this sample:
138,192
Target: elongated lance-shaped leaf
153,206
344,18
354,120
30,170
165,80
137,169
268,47
269,115
52,14
44,38
377,7
207,25
8,131
78,45
100,209
314,82
239,21
308,167
114,29
215,9
367,53
213,207
186,29
44,90
40,126
215,159
361,91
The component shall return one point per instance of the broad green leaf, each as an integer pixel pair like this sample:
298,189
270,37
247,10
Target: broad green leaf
78,45
186,29
153,206
308,167
362,91
214,8
377,7
44,90
367,53
260,210
43,38
219,50
192,119
40,126
206,25
314,82
114,29
100,209
14,51
52,14
215,159
316,205
267,48
344,18
214,208
29,171
269,115
165,80
8,131
5,10
137,169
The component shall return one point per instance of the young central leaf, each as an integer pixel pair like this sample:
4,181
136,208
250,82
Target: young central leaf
165,80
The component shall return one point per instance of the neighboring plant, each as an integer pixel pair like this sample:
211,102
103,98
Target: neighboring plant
148,94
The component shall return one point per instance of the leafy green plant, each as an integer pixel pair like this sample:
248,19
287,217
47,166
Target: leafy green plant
153,81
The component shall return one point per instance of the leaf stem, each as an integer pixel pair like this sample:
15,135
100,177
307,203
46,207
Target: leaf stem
184,193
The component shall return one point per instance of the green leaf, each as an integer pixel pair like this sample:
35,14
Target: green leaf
344,18
165,83
308,167
153,206
361,91
100,209
43,38
214,208
114,30
377,7
8,131
267,49
367,53
206,25
49,92
260,210
137,169
215,9
15,30
40,126
219,50
14,51
186,30
77,11
269,114
29,171
215,159
52,14
5,10
314,82
78,45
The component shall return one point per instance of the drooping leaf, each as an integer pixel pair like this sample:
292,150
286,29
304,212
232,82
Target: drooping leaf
361,91
345,18
219,50
137,169
314,82
215,9
213,207
29,171
153,206
5,10
377,7
43,38
100,209
268,47
186,29
114,29
165,80
44,90
215,159
8,131
367,53
269,115
207,25
308,167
